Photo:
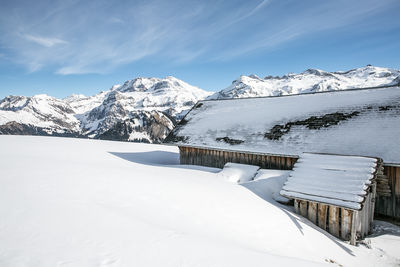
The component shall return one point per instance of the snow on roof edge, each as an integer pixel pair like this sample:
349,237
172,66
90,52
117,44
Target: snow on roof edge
297,192
306,93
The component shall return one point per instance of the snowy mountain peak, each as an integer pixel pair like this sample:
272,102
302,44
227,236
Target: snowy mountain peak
169,83
317,72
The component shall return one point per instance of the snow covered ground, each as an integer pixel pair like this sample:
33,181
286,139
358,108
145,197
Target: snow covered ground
77,202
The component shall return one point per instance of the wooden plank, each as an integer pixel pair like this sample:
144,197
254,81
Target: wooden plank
264,164
221,159
346,219
334,220
359,224
353,233
312,212
288,163
396,181
364,218
268,162
296,206
204,157
303,208
247,158
193,156
260,161
366,214
243,158
372,207
187,155
233,159
322,214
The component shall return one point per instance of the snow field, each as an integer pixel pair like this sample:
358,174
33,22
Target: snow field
78,202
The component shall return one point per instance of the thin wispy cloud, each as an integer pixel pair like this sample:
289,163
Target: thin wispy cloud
76,37
44,41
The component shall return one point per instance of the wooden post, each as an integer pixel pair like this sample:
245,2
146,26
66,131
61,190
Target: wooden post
366,214
312,212
334,220
353,234
322,215
372,208
303,208
346,219
359,224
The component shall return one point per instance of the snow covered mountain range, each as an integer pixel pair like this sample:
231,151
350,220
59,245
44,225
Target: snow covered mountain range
146,109
311,80
142,110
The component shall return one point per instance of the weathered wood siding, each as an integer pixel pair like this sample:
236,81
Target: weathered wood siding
390,205
218,158
341,222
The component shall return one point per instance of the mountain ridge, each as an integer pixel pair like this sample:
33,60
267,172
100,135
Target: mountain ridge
146,109
311,80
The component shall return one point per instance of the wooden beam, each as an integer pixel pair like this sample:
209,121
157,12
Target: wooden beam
303,208
334,220
353,233
312,212
322,208
346,219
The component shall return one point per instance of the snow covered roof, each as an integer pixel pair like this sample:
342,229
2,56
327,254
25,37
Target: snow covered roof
353,122
331,179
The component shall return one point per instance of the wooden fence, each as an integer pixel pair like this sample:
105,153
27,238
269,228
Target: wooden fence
218,158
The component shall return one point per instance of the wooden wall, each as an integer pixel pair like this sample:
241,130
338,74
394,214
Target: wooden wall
390,205
218,158
343,223
387,206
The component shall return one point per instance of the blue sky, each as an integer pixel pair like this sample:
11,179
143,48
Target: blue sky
64,47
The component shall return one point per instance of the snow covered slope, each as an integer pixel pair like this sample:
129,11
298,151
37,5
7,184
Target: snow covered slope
79,202
311,80
143,109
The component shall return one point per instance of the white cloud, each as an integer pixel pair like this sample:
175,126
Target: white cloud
47,42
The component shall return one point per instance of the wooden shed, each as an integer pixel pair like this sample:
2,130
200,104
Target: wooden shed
335,192
272,132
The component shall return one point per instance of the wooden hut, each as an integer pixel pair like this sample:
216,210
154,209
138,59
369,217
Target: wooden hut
272,132
335,192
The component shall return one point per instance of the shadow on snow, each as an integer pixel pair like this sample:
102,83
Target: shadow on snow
161,159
